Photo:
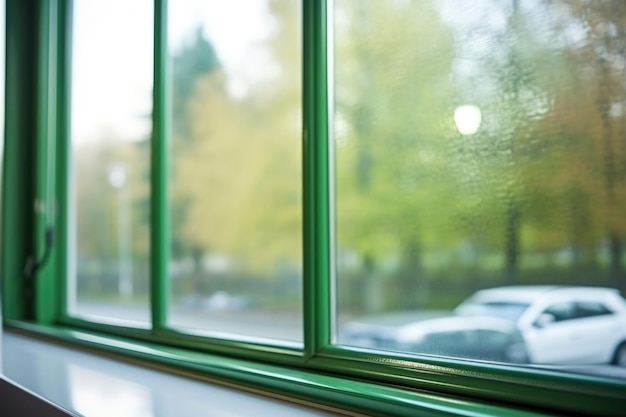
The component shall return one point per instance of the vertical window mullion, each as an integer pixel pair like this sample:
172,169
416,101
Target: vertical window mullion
159,230
63,154
316,163
42,263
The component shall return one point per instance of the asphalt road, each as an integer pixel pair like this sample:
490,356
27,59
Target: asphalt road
252,323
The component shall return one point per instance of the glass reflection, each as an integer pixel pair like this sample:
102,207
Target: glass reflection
95,394
236,196
481,179
110,128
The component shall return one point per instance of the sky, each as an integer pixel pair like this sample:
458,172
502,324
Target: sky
113,56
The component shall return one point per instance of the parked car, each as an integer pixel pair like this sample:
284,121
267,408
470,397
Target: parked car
559,324
556,325
441,334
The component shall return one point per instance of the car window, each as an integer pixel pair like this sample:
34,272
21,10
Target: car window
562,311
591,309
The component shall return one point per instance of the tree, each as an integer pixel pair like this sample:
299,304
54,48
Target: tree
193,62
395,193
239,175
190,64
555,80
97,210
589,107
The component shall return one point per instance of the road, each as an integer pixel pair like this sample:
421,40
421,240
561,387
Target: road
251,322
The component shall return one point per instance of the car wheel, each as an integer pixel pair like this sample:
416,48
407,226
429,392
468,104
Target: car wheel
619,358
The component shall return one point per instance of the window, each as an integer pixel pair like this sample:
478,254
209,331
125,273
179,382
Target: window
460,163
591,309
109,174
562,311
301,196
235,176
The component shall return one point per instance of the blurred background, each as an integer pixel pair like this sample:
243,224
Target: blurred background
476,145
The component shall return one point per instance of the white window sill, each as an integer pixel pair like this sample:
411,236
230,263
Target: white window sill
94,386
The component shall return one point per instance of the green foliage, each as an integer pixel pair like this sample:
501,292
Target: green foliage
393,95
97,200
189,65
238,175
419,207
542,179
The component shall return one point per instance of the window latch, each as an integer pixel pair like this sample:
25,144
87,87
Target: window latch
32,263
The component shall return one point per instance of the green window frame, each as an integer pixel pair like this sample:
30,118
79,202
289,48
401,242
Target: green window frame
35,195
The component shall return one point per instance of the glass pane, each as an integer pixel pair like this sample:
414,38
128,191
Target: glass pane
236,196
110,129
481,179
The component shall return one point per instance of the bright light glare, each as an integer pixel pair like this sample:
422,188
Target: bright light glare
467,119
117,176
96,394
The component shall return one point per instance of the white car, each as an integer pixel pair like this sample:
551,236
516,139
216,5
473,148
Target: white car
439,333
559,324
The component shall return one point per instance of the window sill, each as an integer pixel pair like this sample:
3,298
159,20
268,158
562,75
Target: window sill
318,391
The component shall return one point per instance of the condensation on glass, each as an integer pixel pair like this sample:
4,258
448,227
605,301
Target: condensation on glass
112,61
481,179
236,248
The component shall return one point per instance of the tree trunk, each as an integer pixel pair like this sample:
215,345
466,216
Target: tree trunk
512,243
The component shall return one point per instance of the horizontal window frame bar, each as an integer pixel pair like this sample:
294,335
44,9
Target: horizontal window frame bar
574,393
274,351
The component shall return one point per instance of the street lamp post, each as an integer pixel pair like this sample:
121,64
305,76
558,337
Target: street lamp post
118,178
468,119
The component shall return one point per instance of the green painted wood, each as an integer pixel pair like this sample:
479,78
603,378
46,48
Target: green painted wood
63,103
316,182
537,388
18,177
268,351
47,284
160,150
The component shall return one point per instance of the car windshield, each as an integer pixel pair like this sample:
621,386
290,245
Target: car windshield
505,310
